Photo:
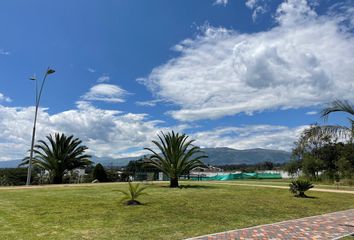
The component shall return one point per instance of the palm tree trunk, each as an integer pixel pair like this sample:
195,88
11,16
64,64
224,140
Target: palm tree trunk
302,194
174,182
58,179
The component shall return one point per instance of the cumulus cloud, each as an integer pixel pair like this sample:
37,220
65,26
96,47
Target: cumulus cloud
107,133
3,98
106,93
250,136
305,60
257,6
112,133
221,2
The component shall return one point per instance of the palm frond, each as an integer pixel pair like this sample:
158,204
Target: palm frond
59,154
178,154
337,106
133,193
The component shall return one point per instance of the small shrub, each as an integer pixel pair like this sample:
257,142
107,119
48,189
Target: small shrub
300,186
134,191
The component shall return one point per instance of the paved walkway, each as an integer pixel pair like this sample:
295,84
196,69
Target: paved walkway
328,226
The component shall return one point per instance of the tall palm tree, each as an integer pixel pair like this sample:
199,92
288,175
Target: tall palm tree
336,131
178,156
59,156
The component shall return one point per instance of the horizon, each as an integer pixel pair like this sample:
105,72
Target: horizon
237,74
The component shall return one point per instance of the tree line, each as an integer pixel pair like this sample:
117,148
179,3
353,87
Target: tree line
326,152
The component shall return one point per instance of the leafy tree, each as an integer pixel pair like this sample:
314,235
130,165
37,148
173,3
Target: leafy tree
267,165
134,191
329,154
178,156
293,167
311,166
59,155
99,173
113,175
299,187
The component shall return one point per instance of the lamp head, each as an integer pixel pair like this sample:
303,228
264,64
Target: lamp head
33,78
50,71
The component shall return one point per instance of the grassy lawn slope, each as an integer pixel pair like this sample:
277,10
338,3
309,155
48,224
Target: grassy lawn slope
94,212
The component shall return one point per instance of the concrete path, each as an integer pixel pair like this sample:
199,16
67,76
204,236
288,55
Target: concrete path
328,226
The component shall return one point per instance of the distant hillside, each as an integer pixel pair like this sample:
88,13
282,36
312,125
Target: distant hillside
216,156
224,156
220,156
120,162
10,164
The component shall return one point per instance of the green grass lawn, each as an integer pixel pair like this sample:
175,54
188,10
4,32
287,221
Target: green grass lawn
94,212
348,238
286,182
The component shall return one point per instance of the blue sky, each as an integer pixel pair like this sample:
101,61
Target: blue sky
241,74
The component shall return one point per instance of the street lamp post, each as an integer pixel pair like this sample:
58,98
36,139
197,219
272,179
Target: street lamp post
38,98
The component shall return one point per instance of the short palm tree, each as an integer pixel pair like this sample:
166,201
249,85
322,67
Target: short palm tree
134,191
59,156
178,156
336,131
299,187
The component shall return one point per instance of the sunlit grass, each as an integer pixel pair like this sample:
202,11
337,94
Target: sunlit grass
95,212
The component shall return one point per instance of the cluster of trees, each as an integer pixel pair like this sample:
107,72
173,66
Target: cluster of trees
57,159
267,165
141,170
326,152
323,158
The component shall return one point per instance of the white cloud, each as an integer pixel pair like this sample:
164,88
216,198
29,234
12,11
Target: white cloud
91,70
3,98
106,93
304,61
258,7
250,136
4,52
221,2
151,103
104,78
111,133
107,133
311,113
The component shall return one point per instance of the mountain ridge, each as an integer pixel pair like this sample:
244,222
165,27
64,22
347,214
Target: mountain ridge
216,156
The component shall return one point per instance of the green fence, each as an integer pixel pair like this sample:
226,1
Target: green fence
235,176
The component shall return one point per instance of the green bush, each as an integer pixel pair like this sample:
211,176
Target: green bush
14,176
300,186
